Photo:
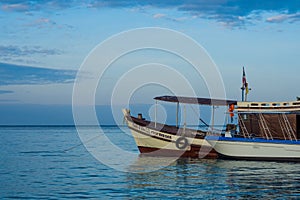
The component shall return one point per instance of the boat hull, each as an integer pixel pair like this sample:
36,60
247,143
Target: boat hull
154,142
255,149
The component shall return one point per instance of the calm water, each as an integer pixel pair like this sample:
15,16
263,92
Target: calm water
48,162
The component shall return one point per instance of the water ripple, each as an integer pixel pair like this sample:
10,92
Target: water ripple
34,165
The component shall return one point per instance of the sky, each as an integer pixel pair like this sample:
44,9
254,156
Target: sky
44,43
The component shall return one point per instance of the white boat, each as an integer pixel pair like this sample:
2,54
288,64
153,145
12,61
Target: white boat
255,148
153,138
268,131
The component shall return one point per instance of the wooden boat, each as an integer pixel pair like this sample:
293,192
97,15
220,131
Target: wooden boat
268,131
153,138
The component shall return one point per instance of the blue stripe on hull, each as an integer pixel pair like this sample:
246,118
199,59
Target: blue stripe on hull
254,140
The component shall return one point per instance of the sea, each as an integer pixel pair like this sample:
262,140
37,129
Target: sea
55,162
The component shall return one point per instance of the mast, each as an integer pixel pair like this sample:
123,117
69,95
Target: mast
243,93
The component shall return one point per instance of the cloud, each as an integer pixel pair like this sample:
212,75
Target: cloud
159,15
164,16
24,54
8,100
34,5
226,12
229,12
5,92
42,21
284,17
16,51
11,74
15,7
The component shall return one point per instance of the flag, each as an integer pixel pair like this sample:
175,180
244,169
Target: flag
247,88
244,81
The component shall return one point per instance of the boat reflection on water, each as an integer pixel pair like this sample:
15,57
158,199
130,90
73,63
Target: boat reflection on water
207,178
145,164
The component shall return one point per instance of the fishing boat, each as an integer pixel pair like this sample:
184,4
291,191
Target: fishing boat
263,131
267,131
156,139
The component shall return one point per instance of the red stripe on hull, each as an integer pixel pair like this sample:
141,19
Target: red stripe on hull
195,152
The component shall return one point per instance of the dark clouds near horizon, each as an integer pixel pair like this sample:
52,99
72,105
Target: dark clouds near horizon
5,91
232,12
13,50
13,53
11,74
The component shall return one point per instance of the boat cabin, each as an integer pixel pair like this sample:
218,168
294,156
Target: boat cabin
270,120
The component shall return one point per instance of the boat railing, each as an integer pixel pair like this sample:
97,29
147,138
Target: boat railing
292,106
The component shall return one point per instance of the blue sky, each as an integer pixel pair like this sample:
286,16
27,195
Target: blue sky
43,44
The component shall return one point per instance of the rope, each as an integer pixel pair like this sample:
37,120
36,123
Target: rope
78,145
201,120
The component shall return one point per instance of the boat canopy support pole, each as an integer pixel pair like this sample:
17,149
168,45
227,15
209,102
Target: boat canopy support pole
184,114
177,110
155,114
213,118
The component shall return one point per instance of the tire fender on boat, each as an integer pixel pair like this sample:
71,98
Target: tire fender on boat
182,143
